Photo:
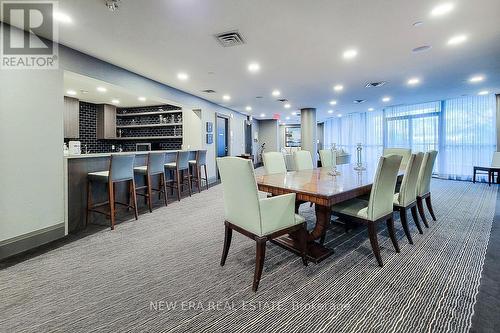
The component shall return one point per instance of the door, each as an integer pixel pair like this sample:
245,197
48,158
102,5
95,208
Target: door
248,138
222,143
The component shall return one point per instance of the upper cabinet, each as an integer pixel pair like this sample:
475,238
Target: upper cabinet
106,122
71,118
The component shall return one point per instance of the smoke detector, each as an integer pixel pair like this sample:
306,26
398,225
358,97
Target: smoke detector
113,4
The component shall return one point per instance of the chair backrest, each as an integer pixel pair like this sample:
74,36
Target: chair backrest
303,160
182,160
201,157
241,198
121,167
495,162
274,162
408,190
425,174
382,193
326,157
156,163
405,153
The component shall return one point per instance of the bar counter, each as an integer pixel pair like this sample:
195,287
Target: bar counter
76,168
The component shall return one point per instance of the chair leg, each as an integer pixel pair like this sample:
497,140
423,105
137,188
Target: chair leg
189,181
134,198
111,196
163,182
428,203
303,243
178,175
206,177
372,232
228,233
392,233
420,206
89,202
150,193
198,175
259,262
404,222
415,219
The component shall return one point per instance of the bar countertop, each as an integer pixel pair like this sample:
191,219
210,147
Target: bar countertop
121,153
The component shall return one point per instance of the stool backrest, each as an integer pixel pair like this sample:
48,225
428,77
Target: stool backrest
121,167
274,162
183,160
303,160
201,157
156,163
382,193
408,190
326,157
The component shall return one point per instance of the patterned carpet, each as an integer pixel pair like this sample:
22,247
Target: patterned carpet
127,279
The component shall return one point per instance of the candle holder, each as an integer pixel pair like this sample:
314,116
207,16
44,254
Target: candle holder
334,172
359,165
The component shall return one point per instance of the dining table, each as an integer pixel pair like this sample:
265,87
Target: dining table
324,189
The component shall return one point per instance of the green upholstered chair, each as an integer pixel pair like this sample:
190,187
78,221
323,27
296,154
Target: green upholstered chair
180,167
199,162
274,162
424,185
155,166
302,160
121,169
326,157
406,198
405,153
380,205
260,219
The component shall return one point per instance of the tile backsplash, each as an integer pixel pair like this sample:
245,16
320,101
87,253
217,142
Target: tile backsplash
88,125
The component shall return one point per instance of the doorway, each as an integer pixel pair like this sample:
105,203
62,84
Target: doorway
248,137
222,136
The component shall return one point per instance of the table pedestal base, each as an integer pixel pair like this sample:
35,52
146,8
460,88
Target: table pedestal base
315,251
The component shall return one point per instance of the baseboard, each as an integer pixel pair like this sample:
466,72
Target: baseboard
30,240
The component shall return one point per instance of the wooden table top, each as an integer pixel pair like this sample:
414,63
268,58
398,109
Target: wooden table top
318,186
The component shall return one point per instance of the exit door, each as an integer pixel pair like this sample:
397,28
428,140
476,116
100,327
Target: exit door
222,137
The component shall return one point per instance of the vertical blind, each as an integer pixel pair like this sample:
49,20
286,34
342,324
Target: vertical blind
463,130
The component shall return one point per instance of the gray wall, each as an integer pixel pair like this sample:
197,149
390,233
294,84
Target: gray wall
268,133
498,122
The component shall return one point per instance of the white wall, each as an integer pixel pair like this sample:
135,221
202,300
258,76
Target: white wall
268,133
31,137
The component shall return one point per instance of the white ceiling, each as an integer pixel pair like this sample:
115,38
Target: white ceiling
299,45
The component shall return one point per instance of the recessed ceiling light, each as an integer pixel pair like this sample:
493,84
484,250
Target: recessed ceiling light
248,108
182,76
442,9
418,23
330,111
483,92
61,17
142,99
101,89
262,114
287,118
413,81
226,97
349,54
422,48
71,92
386,99
339,115
253,67
476,79
276,93
115,101
294,113
333,102
371,109
338,87
459,39
287,106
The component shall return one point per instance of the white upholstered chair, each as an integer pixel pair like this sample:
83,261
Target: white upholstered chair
274,162
260,219
424,185
403,152
303,160
326,157
379,207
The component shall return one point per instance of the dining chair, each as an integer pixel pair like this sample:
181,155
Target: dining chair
154,166
406,198
424,185
260,219
274,162
379,207
405,153
302,160
326,158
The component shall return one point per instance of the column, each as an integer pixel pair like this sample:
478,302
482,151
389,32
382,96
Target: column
308,128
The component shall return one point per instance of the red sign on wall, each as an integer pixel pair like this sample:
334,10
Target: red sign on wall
276,116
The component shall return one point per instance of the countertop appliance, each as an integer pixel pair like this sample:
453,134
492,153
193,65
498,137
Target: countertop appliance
75,147
143,147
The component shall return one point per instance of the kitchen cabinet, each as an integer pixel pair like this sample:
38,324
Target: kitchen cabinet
71,118
106,122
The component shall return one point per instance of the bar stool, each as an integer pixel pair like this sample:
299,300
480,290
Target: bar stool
155,166
180,165
201,161
121,169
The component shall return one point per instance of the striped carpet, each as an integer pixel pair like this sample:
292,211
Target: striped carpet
162,274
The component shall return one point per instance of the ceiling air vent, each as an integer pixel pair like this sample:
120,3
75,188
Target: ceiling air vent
208,91
282,100
359,101
375,84
230,38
